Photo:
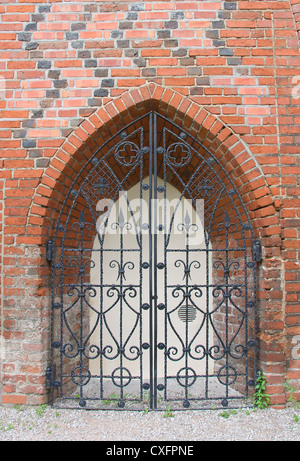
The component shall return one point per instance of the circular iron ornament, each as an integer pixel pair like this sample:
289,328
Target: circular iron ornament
121,404
80,375
161,306
82,403
186,404
145,346
145,306
121,377
224,403
160,387
186,377
146,386
228,377
161,346
178,154
127,153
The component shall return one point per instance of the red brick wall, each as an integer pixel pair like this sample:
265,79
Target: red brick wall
226,70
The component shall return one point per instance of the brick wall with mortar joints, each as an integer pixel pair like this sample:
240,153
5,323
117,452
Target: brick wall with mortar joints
44,51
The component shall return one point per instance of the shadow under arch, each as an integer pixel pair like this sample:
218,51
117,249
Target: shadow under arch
152,145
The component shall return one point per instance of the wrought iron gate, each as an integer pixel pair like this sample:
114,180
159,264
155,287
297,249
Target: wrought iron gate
153,277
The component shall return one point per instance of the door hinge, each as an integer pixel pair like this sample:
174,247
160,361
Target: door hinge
49,250
50,376
257,251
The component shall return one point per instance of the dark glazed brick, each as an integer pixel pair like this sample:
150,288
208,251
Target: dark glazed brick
37,114
29,143
171,25
44,8
123,43
224,15
44,64
137,7
226,52
140,62
117,34
181,52
78,26
94,102
32,46
235,61
132,16
230,6
24,37
38,17
108,83
54,74
100,93
126,25
177,15
218,43
101,73
19,134
150,72
218,24
85,54
214,34
72,35
42,163
31,27
131,53
196,91
90,63
52,94
60,83
171,43
78,45
163,34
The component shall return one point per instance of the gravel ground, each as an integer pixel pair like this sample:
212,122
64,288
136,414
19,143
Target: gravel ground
49,424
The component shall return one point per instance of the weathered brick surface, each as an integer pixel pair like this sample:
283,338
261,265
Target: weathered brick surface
227,70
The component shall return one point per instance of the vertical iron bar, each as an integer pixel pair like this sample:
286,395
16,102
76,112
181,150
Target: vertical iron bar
150,257
155,261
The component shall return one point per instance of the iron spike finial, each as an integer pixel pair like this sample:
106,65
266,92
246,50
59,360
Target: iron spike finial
81,218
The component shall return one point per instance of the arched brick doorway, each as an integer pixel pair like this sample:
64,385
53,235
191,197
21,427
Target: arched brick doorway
230,153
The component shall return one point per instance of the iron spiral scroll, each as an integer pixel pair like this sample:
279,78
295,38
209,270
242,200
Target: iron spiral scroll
153,278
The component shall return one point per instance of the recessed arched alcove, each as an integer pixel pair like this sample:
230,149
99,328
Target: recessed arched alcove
116,328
